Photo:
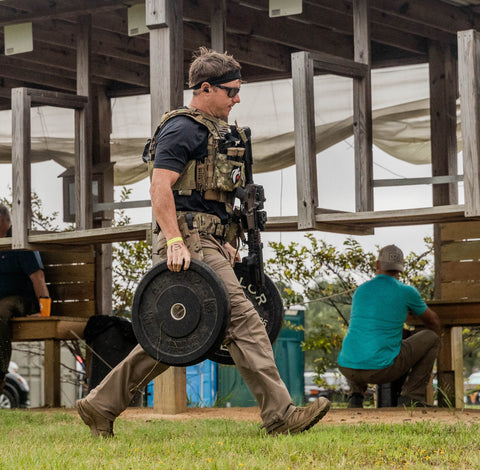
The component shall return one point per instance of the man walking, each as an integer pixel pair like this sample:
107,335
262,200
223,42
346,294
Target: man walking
192,191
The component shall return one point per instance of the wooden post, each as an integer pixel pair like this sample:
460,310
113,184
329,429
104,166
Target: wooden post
51,367
469,86
443,120
217,24
449,362
443,125
83,128
169,396
101,130
305,151
362,109
21,176
165,20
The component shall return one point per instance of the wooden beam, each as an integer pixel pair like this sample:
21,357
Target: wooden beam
168,397
21,175
56,240
30,76
328,63
452,313
67,8
55,58
443,120
443,126
388,21
118,45
337,16
304,127
40,328
57,99
166,63
283,31
449,370
362,110
83,129
396,218
218,13
246,49
290,224
434,180
156,14
464,231
432,13
469,86
51,368
102,129
166,93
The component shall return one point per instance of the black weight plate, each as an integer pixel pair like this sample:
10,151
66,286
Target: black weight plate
267,302
180,317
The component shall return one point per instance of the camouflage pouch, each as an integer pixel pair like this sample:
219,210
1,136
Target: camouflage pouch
228,173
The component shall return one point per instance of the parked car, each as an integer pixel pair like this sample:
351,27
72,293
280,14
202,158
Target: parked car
16,393
333,385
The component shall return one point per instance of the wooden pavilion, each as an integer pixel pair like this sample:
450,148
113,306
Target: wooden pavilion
82,53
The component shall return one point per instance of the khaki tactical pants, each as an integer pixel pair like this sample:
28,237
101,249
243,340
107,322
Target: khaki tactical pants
246,340
416,358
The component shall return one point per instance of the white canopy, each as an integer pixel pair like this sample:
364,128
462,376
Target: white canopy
401,122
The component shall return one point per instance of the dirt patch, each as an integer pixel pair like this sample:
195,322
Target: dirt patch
334,416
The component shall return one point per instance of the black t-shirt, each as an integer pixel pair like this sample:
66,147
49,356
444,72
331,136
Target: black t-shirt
182,139
16,266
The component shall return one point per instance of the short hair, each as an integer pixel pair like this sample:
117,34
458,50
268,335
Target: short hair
208,64
5,214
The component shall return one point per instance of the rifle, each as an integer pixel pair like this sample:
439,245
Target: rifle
252,216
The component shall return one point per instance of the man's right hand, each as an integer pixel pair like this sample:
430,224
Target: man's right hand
178,257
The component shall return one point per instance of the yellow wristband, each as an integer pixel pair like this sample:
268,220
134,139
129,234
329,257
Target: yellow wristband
173,240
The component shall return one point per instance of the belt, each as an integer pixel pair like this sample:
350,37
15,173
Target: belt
203,222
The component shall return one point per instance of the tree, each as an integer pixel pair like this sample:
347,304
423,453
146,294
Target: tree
131,260
319,272
40,221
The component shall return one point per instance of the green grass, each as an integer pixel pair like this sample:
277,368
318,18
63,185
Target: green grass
58,440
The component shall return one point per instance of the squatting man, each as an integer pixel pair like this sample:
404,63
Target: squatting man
373,351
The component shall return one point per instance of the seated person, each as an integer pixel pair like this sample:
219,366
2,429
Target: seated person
22,283
373,351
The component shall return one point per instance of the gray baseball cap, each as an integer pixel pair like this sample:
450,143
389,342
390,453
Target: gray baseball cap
391,258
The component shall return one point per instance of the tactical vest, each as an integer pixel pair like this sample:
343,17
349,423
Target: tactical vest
222,170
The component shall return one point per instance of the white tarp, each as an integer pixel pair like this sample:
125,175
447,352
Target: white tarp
401,122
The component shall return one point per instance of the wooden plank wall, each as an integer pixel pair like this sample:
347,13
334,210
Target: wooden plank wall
460,261
70,277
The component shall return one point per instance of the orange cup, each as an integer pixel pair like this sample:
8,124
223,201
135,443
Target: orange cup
45,306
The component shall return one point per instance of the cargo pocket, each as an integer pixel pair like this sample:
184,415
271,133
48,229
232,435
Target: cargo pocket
161,247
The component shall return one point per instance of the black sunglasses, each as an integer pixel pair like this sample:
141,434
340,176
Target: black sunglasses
231,91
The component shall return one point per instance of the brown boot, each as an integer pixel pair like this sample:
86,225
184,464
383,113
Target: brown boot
99,426
302,418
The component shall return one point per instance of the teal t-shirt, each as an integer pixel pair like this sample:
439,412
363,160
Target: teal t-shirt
379,310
